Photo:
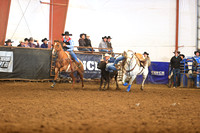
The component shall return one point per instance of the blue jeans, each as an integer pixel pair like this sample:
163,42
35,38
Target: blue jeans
118,59
110,67
176,73
74,56
103,50
83,49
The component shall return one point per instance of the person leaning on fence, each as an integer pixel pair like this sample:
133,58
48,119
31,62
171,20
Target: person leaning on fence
8,42
88,42
68,45
33,43
82,43
175,67
45,43
21,44
26,43
109,44
103,44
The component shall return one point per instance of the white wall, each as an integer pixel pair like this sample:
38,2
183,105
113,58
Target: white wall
140,25
30,22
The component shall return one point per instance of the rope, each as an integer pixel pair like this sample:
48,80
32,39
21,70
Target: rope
21,18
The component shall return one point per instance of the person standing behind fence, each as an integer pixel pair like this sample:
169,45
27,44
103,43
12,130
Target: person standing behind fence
175,67
103,44
45,43
109,44
8,42
26,43
32,44
82,43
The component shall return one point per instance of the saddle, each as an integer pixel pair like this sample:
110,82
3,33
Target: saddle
141,59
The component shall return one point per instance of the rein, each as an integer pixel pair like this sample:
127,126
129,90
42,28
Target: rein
129,65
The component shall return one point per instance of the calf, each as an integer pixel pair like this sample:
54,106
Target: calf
106,75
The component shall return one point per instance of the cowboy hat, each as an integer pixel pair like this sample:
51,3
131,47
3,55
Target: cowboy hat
30,39
82,35
45,39
66,34
176,51
107,54
104,37
109,37
9,40
182,55
146,53
196,52
25,39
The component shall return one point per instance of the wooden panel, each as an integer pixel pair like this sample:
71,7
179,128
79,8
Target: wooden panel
4,14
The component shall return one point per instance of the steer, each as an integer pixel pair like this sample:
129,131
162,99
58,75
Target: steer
106,75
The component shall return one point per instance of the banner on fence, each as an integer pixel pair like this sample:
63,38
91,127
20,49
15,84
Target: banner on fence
90,65
158,73
6,61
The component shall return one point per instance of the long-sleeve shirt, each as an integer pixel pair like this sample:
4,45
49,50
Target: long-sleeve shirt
175,62
33,45
109,45
82,42
103,44
44,45
88,43
69,44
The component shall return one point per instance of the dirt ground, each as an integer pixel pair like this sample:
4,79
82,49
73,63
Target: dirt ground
35,107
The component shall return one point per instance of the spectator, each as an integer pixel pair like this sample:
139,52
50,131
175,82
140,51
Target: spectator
69,46
32,44
82,43
45,43
26,43
109,44
103,44
196,53
175,67
8,42
88,42
21,44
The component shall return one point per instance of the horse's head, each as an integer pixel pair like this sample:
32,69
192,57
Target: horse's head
129,55
101,65
56,47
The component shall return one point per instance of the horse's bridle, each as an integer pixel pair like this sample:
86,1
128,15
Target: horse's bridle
129,65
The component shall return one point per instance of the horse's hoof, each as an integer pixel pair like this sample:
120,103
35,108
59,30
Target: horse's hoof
125,84
129,88
141,88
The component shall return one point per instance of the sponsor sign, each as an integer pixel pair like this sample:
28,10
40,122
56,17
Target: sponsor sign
6,61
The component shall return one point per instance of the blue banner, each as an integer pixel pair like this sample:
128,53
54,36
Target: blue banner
158,73
90,65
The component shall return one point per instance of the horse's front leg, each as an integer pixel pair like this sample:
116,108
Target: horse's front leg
81,77
55,78
124,80
130,83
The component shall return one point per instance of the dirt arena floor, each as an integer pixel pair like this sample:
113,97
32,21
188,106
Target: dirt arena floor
29,107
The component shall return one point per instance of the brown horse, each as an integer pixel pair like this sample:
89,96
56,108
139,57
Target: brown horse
65,63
